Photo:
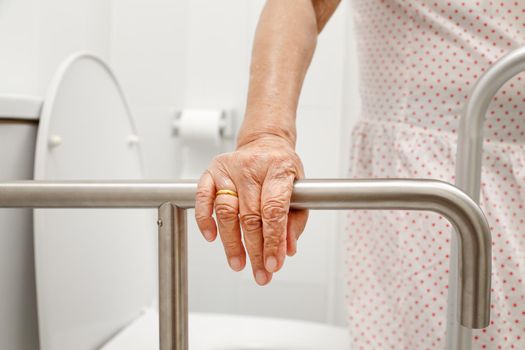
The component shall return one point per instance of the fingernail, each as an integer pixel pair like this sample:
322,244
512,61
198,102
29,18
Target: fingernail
271,263
236,263
260,277
293,249
208,235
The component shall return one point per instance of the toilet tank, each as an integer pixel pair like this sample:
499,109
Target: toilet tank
18,316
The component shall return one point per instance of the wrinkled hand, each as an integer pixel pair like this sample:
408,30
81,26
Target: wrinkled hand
262,172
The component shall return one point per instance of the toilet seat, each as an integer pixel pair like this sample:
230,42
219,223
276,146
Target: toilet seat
95,269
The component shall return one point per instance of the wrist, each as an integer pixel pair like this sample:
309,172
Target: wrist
274,122
247,135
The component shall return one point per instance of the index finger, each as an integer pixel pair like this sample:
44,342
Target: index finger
204,200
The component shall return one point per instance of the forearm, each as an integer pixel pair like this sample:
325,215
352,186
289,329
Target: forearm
284,44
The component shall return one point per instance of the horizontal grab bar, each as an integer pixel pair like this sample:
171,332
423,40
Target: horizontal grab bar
466,217
313,194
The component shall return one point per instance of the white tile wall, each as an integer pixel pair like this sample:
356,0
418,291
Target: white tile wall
148,54
18,63
217,53
36,36
170,55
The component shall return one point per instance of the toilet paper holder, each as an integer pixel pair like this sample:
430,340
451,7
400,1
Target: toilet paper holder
226,121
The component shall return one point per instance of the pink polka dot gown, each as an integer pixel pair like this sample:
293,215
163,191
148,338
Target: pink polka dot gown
419,60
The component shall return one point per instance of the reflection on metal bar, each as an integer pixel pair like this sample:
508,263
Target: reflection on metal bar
470,136
466,217
173,278
468,169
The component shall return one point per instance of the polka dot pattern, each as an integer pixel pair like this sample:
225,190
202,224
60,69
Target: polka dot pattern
418,62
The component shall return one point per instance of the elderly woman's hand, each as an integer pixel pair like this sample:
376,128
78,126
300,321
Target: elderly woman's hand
262,172
264,166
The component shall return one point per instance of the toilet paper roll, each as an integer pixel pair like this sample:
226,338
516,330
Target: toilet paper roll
200,125
199,132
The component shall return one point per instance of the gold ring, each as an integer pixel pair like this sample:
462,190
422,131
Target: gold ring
231,193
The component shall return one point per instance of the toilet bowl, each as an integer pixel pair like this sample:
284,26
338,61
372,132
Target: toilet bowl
234,332
18,128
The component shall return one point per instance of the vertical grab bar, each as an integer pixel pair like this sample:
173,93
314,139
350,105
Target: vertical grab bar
173,199
173,278
468,169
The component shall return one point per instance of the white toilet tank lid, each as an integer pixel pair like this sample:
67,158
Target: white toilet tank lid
20,107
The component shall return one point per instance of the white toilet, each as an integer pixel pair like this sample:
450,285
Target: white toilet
96,270
18,128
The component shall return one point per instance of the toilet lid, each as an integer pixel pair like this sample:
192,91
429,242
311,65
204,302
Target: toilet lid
96,268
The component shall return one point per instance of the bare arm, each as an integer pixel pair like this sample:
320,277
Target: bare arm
264,166
284,44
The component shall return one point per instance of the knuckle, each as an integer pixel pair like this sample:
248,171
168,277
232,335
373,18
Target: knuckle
285,169
225,211
200,217
274,210
221,158
287,162
251,222
220,164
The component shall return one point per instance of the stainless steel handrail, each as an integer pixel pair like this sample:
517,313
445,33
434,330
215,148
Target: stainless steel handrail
468,168
173,198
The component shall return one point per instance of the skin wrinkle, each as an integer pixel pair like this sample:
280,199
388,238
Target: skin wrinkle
203,196
251,222
226,212
274,210
272,241
230,245
323,11
287,136
264,165
283,169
